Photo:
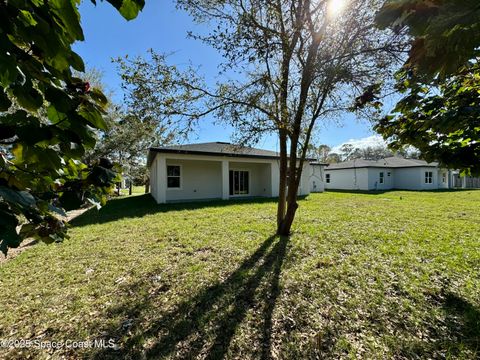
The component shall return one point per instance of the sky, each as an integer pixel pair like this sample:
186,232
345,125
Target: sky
163,28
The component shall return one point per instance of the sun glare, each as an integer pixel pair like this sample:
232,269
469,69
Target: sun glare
335,7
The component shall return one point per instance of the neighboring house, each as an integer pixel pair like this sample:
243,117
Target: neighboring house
464,182
386,174
218,170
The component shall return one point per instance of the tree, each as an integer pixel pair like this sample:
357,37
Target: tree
296,62
323,151
440,112
151,113
445,34
47,119
333,158
444,124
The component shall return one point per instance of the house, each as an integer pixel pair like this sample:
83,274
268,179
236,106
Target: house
219,170
385,174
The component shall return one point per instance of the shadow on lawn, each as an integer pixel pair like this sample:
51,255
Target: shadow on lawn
463,322
141,205
205,324
457,335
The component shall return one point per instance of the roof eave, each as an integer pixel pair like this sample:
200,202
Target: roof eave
209,153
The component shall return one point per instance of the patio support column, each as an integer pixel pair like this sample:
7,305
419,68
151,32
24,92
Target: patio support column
162,179
225,184
274,179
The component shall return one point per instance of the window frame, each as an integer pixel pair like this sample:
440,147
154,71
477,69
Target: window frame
327,178
381,177
233,185
180,182
429,177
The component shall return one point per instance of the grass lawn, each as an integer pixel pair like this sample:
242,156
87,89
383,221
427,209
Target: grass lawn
377,276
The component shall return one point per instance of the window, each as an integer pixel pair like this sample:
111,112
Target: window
382,177
173,176
444,178
327,178
239,184
428,177
389,174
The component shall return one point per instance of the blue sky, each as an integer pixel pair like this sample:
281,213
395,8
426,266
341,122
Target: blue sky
162,27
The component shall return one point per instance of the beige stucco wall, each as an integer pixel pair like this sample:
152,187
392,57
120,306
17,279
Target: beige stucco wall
199,180
206,177
259,177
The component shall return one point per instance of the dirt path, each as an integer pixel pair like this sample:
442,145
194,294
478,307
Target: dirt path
28,243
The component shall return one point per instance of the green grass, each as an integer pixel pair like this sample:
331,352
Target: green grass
136,190
377,276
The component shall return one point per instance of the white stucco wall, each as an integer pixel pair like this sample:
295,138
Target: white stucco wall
348,179
317,178
400,178
441,183
374,179
414,178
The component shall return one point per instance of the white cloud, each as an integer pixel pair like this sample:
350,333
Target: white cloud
362,143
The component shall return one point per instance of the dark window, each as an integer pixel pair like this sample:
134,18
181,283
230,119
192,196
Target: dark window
238,182
382,178
173,176
327,178
428,177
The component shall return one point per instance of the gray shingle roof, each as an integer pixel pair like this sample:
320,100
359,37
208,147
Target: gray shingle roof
390,162
214,148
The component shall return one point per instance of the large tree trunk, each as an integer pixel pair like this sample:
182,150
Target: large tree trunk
282,192
292,204
293,183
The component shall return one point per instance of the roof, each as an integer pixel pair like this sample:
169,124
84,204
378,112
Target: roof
390,162
215,149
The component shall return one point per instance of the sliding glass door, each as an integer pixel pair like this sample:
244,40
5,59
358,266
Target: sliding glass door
239,182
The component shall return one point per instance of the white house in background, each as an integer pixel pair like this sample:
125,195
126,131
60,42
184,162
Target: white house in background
219,170
386,174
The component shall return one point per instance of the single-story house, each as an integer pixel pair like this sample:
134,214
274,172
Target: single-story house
385,174
220,170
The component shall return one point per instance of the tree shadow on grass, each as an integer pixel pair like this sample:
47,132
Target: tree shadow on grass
457,335
142,205
206,324
463,323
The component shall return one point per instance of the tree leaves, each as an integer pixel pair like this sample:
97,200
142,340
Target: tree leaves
51,117
128,8
440,111
445,34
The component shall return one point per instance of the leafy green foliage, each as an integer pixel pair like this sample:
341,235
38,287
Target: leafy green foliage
48,118
445,33
443,124
439,113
